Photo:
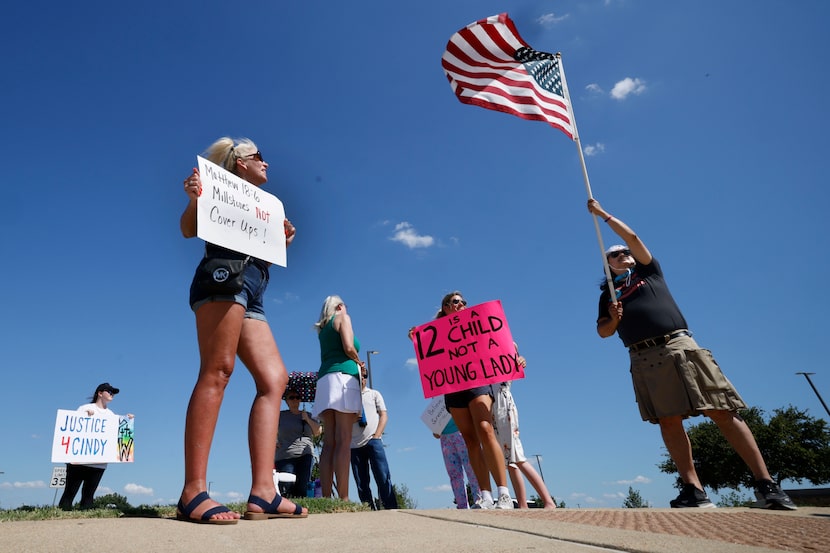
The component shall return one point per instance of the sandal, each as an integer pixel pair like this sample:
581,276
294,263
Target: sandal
270,509
183,513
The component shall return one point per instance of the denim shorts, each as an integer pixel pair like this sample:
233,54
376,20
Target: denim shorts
256,281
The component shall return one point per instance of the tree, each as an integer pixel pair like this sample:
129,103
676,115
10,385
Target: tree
105,501
634,500
404,500
735,499
795,447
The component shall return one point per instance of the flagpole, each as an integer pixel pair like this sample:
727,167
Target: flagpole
608,278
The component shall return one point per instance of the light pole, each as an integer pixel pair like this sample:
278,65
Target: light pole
539,464
807,376
369,355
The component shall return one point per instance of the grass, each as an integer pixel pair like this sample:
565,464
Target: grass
315,505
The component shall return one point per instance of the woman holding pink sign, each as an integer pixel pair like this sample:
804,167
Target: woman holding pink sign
226,296
472,412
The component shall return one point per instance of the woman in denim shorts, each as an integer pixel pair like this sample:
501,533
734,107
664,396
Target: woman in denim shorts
230,325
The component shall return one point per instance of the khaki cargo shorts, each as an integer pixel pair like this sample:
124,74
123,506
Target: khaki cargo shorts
680,379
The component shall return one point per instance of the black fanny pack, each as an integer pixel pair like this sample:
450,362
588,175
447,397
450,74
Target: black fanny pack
219,276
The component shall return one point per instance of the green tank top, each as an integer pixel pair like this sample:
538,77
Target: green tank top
332,357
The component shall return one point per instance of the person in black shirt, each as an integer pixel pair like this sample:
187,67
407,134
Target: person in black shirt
673,377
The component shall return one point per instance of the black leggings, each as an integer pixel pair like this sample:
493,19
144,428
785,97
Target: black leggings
76,475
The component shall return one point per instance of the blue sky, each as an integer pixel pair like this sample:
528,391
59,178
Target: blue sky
703,125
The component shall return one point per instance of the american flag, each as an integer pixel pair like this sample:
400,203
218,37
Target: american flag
489,65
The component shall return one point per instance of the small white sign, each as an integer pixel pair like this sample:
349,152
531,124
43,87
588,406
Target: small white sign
58,477
235,214
436,416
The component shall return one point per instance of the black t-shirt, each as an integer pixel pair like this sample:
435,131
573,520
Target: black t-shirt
649,309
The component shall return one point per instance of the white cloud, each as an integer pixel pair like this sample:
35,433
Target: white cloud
137,489
441,488
24,485
409,237
594,88
287,297
551,19
626,87
412,364
637,480
582,498
229,497
592,150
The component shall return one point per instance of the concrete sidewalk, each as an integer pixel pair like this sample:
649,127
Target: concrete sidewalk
559,531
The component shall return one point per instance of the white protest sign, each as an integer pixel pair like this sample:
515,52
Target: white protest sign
83,438
237,215
58,477
436,416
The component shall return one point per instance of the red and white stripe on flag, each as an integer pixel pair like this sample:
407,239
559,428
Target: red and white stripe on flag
483,70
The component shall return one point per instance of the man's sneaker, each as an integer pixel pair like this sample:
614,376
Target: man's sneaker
770,496
483,504
504,502
690,496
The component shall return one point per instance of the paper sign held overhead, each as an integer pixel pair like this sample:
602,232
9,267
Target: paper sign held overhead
235,214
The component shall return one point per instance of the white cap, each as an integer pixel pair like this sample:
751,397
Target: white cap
615,248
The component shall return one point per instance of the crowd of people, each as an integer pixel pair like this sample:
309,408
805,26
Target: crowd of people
673,379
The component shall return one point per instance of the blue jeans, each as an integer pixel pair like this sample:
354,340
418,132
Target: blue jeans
372,454
301,468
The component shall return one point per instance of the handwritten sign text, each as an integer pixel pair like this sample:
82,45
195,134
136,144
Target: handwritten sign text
470,348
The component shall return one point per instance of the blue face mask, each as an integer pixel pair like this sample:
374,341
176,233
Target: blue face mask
619,278
626,275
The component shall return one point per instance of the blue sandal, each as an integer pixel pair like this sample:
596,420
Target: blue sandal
270,509
183,513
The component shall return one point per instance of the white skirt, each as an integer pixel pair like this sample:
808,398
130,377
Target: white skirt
338,391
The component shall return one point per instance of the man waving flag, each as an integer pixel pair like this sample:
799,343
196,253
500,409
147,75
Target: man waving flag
489,65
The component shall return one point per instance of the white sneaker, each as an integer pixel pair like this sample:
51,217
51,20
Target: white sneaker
504,502
483,504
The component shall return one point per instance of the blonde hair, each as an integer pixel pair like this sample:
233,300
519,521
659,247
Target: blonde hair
224,153
330,306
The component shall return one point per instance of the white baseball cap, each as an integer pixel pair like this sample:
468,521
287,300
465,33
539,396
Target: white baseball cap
615,248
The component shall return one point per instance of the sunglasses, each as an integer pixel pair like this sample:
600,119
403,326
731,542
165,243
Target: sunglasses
256,155
456,301
615,255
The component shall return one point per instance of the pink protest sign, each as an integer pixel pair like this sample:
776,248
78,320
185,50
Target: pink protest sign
470,348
